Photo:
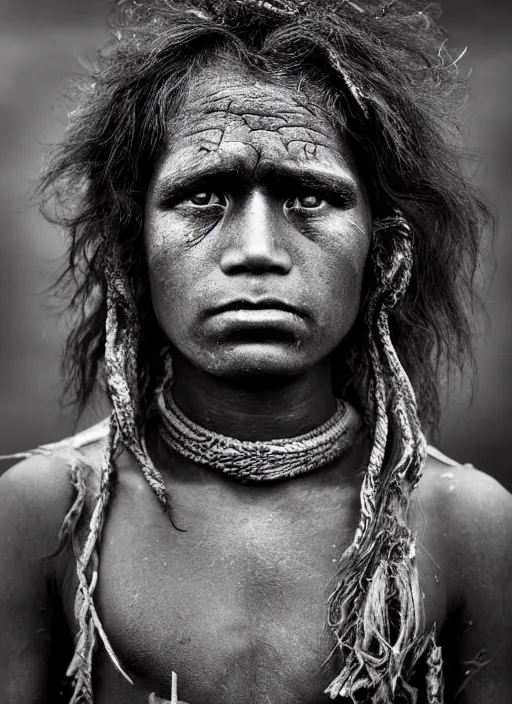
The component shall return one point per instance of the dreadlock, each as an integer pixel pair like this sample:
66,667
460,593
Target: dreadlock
386,80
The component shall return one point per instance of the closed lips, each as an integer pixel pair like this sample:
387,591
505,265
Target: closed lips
264,304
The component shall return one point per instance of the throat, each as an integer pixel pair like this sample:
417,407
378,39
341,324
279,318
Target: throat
255,408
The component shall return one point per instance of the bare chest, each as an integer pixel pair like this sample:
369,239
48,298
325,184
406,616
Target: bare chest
234,600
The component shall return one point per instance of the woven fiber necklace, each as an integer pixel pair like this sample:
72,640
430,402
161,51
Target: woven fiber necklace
262,460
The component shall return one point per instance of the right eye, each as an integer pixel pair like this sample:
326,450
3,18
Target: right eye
206,198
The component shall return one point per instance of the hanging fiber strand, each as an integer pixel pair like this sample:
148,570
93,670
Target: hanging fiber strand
376,609
120,368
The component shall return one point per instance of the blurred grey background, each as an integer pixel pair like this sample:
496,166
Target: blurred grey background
43,41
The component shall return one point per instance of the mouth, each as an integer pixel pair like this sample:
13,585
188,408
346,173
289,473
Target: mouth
261,304
262,320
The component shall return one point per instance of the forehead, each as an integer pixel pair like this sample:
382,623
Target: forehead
229,118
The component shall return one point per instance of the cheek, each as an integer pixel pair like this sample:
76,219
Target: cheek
169,282
340,280
180,280
164,293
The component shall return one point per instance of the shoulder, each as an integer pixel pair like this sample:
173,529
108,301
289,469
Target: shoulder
35,496
468,525
465,499
36,493
469,513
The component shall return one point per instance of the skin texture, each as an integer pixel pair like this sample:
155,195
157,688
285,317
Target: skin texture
235,600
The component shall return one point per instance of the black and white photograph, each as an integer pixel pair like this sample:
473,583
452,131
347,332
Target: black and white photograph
256,352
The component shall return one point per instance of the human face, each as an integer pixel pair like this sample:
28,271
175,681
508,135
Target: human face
257,229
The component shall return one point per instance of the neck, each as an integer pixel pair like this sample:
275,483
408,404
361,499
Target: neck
254,409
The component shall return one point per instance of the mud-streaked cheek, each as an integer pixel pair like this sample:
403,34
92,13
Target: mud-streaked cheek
179,276
180,228
166,278
342,251
339,236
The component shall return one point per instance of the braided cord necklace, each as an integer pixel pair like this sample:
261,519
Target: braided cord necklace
262,460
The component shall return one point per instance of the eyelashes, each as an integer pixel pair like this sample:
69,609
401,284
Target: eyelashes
307,201
194,214
210,200
203,199
296,188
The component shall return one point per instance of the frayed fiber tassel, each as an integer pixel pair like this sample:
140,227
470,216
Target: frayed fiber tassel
376,610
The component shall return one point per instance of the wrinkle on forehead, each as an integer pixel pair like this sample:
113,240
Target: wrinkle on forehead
227,108
227,88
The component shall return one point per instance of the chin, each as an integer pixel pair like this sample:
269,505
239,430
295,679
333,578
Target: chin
257,360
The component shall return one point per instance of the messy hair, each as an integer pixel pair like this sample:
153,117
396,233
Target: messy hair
406,144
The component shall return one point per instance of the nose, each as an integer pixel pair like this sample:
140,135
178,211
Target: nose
254,243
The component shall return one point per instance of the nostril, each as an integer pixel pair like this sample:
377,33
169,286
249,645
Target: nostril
239,262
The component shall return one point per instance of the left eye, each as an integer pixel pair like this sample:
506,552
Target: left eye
308,201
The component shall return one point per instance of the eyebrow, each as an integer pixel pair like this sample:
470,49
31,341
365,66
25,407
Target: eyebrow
277,176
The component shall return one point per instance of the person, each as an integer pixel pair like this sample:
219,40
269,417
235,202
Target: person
273,243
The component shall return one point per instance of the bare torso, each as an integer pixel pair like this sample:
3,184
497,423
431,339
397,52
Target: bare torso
236,601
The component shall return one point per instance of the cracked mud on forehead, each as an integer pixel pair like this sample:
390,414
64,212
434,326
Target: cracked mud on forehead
227,109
